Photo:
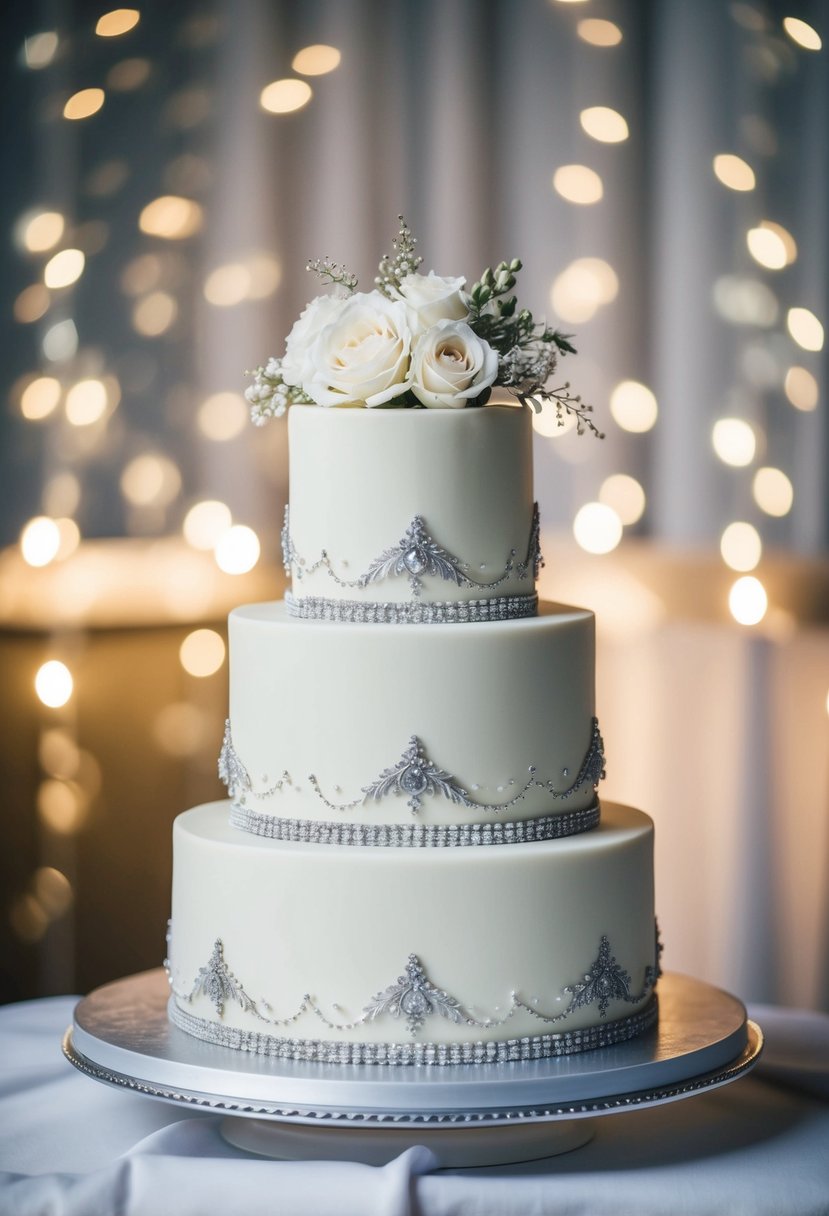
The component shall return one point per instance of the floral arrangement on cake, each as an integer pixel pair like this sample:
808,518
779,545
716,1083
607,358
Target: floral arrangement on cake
416,340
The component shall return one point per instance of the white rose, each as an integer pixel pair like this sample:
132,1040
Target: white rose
321,311
451,365
362,357
431,298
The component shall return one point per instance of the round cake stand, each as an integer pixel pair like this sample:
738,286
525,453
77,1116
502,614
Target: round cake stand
466,1114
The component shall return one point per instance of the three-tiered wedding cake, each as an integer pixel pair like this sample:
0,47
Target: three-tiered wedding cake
412,866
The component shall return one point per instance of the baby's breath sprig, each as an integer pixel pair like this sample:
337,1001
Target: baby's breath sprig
333,272
404,260
269,396
564,402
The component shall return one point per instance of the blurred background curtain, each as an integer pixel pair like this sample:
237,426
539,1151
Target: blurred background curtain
627,151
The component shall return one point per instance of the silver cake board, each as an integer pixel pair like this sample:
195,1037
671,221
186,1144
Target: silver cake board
467,1114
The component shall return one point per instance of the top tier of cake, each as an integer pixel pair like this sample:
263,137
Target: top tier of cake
411,515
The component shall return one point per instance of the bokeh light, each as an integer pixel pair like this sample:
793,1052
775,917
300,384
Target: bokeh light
40,398
741,546
171,217
205,522
61,494
153,314
28,919
42,231
285,96
83,104
116,22
734,441
805,328
548,422
801,388
633,406
316,60
129,74
744,301
769,247
150,480
53,890
54,684
40,541
181,729
578,184
60,342
604,124
624,495
62,806
773,491
802,33
734,172
237,550
32,303
748,601
39,49
597,528
582,288
599,32
222,416
202,652
86,402
227,285
64,268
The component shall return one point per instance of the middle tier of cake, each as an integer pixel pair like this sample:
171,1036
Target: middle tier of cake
441,734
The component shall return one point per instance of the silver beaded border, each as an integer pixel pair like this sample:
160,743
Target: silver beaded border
414,835
449,612
529,1047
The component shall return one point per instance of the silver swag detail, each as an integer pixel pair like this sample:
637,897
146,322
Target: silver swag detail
414,997
415,555
414,776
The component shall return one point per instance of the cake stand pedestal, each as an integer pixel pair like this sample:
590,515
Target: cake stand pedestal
467,1115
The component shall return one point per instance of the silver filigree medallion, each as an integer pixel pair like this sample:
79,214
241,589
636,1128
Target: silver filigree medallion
415,998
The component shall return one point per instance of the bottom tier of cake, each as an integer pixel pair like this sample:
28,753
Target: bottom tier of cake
392,955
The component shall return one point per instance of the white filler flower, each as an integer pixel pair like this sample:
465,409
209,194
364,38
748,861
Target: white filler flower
451,366
362,358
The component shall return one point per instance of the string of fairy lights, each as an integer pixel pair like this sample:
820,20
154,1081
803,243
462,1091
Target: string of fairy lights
80,399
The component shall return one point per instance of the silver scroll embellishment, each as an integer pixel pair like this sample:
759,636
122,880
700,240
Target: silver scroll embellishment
236,777
414,997
415,555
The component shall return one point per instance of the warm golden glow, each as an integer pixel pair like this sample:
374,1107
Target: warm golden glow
802,33
116,22
43,231
171,217
129,74
582,288
805,328
265,274
64,268
578,184
773,492
202,652
58,753
771,245
222,416
316,60
625,496
744,301
801,388
734,441
227,285
60,341
54,684
633,406
53,891
39,50
40,541
70,537
154,314
285,96
150,480
182,729
83,104
61,494
32,303
748,601
734,172
237,550
86,402
548,423
741,546
142,274
205,522
597,528
606,125
40,398
62,806
598,32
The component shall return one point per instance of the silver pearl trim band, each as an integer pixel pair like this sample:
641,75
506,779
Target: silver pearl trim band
439,612
414,835
529,1047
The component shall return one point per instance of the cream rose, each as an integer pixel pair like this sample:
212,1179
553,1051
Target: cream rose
362,357
430,298
324,310
451,366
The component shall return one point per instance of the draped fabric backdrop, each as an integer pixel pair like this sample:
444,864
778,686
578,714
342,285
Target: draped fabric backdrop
457,113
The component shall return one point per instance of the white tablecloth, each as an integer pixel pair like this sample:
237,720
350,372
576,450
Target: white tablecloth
72,1147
